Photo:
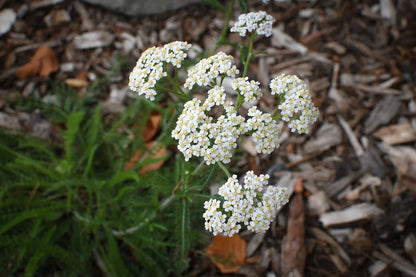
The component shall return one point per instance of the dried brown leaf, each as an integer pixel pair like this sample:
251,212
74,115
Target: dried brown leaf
227,253
293,244
154,151
43,63
152,126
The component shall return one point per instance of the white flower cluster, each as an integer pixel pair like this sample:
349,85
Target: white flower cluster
297,107
253,204
202,136
266,130
259,22
249,90
206,71
150,66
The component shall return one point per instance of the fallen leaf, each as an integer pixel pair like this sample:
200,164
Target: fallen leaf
154,151
293,244
152,126
43,63
227,253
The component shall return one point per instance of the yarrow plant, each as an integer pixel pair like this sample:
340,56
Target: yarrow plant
210,128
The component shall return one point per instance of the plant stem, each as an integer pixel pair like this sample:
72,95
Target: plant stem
249,54
222,166
198,168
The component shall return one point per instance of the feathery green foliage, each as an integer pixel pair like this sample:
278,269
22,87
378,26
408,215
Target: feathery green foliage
71,209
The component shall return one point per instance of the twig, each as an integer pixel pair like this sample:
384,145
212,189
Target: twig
358,149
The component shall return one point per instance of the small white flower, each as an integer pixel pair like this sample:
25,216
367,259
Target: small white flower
246,204
206,71
259,22
150,66
250,90
200,135
265,130
297,107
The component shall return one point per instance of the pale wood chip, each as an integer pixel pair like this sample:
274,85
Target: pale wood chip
378,269
281,39
358,149
388,11
357,212
93,39
377,89
328,135
396,134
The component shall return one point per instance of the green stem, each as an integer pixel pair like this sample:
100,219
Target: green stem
222,166
177,87
225,29
198,168
249,54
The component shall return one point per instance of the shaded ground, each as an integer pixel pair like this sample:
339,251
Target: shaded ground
357,166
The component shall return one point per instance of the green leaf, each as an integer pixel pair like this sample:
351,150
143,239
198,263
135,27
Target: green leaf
216,4
120,177
243,5
33,263
73,124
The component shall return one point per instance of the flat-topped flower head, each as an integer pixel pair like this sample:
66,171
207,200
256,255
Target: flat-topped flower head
253,204
250,90
297,107
150,67
265,130
201,135
259,22
206,71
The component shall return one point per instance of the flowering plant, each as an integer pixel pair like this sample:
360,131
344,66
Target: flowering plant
214,139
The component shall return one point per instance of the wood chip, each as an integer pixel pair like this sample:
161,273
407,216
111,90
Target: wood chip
335,187
383,113
322,235
354,213
254,243
391,257
93,40
317,203
396,134
388,11
281,39
7,19
379,269
43,3
378,90
358,149
403,158
328,135
336,47
410,246
348,79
